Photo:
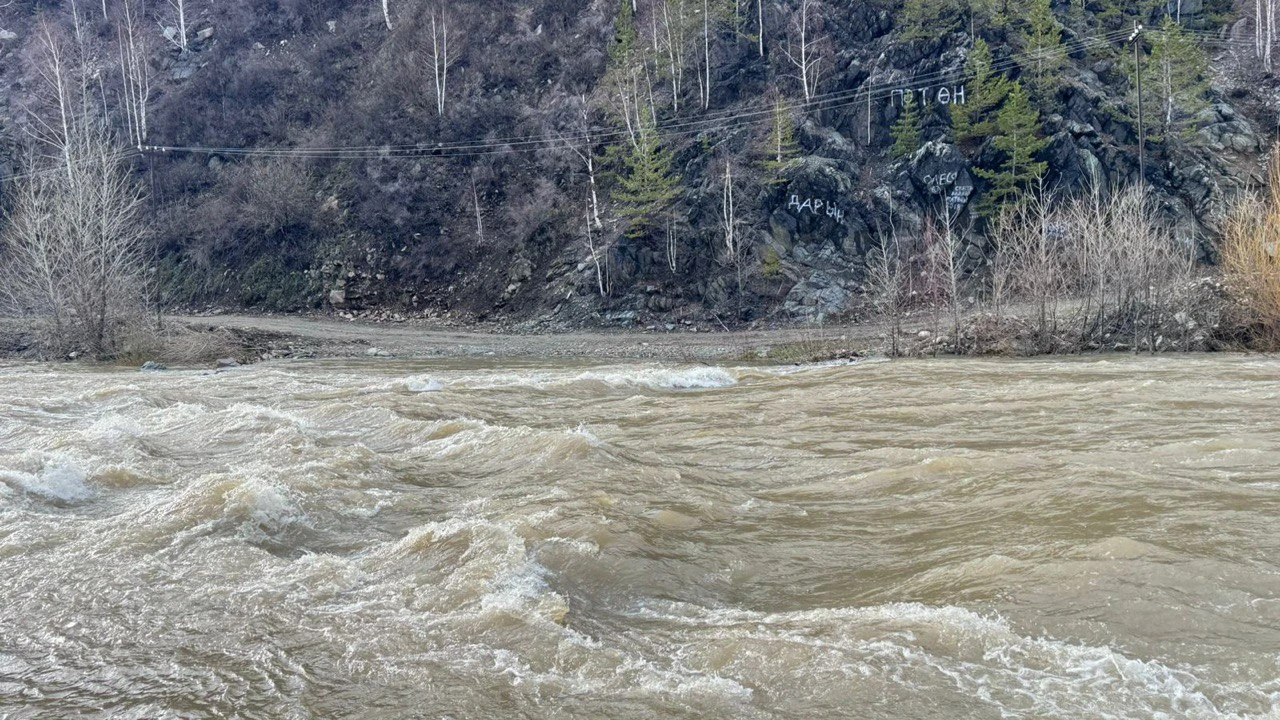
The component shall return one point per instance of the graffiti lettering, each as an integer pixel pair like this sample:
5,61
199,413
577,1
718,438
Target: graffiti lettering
816,206
925,95
959,195
935,183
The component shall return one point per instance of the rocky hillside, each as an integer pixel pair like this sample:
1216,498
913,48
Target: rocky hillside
325,155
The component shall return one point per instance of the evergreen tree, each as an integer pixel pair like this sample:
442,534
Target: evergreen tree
1046,56
1019,138
781,146
928,18
1175,80
624,34
975,119
648,184
906,131
1121,14
987,14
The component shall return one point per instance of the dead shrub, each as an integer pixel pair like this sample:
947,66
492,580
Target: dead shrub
1250,254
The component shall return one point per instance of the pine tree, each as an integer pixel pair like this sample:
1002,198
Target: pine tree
1046,56
928,18
1019,138
1175,80
906,131
648,184
987,14
975,119
781,146
1117,15
625,35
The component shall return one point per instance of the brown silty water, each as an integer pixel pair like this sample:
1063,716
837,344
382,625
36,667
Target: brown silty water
1050,539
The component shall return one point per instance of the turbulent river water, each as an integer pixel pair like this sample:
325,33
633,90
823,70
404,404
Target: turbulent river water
384,539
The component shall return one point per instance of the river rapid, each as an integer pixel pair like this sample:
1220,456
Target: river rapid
385,539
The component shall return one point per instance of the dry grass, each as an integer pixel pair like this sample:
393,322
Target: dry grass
175,345
1251,258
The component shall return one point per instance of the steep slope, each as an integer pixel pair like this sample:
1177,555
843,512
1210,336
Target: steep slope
300,154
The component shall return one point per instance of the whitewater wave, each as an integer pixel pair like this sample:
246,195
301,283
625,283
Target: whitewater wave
57,483
652,378
422,384
980,655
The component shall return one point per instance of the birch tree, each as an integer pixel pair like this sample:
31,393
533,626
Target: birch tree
803,49
1264,30
74,241
135,76
674,34
734,250
1267,31
177,35
760,26
440,60
587,155
885,284
598,249
386,13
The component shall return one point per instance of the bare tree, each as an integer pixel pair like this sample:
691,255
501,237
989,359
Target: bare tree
674,32
884,284
1271,32
802,49
1000,274
440,61
1032,241
587,155
673,246
74,243
760,25
949,251
177,35
598,248
135,76
734,247
475,199
1264,30
73,246
706,54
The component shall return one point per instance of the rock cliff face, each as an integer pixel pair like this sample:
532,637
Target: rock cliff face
377,194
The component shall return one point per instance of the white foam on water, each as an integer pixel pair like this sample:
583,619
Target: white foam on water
980,655
785,370
266,507
422,384
652,378
692,378
59,483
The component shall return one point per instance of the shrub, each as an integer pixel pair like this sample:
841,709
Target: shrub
1251,258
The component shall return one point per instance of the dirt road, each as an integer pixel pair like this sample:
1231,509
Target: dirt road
330,337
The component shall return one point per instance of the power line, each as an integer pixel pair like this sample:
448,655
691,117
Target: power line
55,169
720,121
725,120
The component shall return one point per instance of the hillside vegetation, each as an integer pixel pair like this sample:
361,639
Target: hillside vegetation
642,161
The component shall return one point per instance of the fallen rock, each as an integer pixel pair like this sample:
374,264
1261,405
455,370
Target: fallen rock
152,366
227,363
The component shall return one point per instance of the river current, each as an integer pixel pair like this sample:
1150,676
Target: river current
385,539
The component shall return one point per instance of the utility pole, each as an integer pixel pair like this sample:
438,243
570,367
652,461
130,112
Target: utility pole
1136,38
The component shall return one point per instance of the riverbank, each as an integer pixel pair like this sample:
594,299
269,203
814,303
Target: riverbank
247,338
268,337
252,338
